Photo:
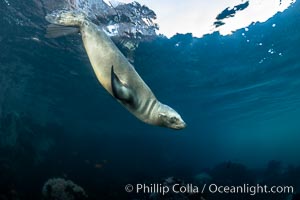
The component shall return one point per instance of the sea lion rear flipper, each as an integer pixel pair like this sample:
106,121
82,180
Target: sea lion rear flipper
54,31
120,90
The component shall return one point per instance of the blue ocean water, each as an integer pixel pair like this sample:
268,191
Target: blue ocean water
239,94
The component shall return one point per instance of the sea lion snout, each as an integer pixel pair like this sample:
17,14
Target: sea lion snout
180,126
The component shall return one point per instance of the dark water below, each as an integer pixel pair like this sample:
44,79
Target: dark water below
239,94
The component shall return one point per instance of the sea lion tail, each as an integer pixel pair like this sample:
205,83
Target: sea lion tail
64,22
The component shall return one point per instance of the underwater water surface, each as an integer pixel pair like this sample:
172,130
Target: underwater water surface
239,95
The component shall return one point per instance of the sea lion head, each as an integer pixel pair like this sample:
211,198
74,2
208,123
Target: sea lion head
168,117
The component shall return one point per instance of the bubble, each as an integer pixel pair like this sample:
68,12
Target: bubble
271,51
262,60
6,1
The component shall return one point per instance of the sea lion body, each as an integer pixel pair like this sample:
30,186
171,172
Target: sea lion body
101,51
116,74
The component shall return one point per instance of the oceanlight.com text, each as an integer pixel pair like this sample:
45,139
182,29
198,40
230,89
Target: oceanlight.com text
250,189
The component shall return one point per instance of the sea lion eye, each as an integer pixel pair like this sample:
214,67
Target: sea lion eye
173,119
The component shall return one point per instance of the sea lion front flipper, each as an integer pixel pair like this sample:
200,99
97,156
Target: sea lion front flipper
54,31
120,90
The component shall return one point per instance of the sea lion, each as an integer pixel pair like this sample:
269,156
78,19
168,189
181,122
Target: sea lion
113,70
